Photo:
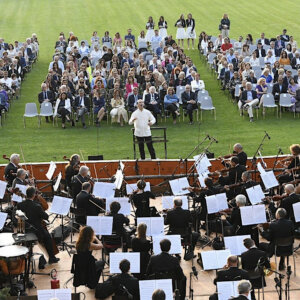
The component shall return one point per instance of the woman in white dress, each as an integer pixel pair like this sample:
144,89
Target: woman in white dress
162,25
118,108
142,42
150,29
180,35
190,31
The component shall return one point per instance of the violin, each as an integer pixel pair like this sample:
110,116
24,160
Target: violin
75,163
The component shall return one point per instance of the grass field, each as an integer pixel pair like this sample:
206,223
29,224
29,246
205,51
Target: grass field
47,18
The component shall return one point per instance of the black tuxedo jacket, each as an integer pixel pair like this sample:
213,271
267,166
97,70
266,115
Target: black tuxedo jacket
267,41
263,52
10,173
49,95
76,184
179,220
185,97
287,204
231,274
244,96
276,90
131,101
129,282
148,98
251,257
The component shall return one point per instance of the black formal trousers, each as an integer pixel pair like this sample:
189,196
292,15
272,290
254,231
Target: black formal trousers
148,141
63,112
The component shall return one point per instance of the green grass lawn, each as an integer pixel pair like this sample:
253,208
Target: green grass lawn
49,17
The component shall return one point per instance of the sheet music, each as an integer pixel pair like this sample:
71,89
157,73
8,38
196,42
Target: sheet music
124,202
57,182
179,186
202,177
119,179
104,189
168,202
255,194
202,163
60,205
3,217
175,243
235,244
102,225
155,225
254,214
22,189
296,208
228,289
51,170
269,179
216,203
131,187
260,169
60,294
216,259
147,287
3,185
116,257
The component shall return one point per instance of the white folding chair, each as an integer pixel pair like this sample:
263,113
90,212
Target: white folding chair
179,90
269,102
237,90
210,58
46,111
285,101
30,112
206,104
201,94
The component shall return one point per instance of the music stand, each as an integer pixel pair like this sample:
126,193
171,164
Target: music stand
61,206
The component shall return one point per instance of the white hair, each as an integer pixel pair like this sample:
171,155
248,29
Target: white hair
14,156
83,169
244,287
289,188
241,199
152,88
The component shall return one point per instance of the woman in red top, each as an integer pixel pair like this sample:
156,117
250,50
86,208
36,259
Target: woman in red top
130,85
227,45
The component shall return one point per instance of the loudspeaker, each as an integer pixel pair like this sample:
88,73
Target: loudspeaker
95,157
57,233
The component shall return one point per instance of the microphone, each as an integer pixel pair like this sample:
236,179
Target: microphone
280,151
267,135
208,136
195,272
215,140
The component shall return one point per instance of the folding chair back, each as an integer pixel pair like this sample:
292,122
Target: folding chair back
46,109
285,100
31,110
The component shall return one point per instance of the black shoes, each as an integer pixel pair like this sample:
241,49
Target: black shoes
53,260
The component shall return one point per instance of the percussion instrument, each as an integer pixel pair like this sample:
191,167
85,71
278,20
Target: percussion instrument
13,251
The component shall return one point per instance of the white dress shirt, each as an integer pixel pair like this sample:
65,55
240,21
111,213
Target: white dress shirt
141,126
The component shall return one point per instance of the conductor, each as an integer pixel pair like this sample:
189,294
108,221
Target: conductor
142,120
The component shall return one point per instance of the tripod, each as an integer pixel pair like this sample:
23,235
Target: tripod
62,243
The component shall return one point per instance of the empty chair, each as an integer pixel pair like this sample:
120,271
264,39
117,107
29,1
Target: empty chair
30,112
206,104
179,91
288,67
246,59
252,48
201,94
210,58
262,61
213,38
237,90
149,58
285,101
46,111
270,87
107,44
269,102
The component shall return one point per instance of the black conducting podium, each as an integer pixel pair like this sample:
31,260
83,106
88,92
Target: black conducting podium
155,139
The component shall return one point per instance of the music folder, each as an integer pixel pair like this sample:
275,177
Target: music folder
215,259
116,257
147,287
102,225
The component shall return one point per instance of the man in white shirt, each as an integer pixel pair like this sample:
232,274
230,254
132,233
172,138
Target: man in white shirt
142,120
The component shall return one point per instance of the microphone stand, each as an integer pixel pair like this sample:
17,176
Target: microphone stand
278,283
256,152
287,285
276,159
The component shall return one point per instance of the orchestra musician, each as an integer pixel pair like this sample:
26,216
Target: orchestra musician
141,200
88,204
244,289
143,246
234,172
239,152
20,178
10,171
294,162
159,295
78,180
279,228
36,215
126,280
72,169
166,263
250,259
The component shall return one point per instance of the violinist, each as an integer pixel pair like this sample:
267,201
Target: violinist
294,162
234,172
239,152
141,200
72,169
20,179
78,180
90,205
10,171
36,215
280,228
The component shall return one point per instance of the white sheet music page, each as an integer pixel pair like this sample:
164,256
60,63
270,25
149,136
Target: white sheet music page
260,169
95,223
60,205
247,215
235,244
116,257
45,294
147,287
147,221
255,194
102,225
118,179
104,189
22,189
175,243
63,294
179,186
3,217
296,208
222,256
57,182
157,226
269,180
168,202
124,202
222,201
52,167
254,214
225,290
131,187
3,185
